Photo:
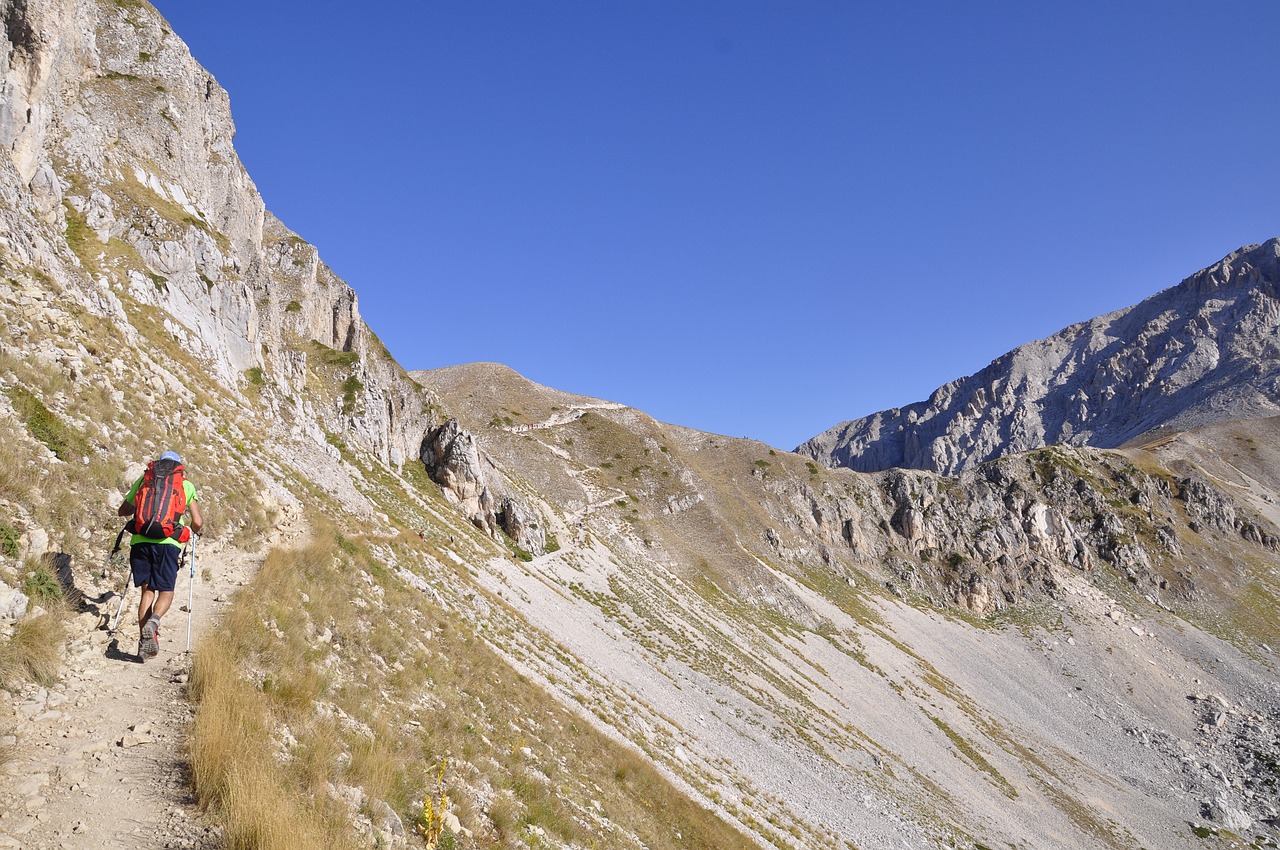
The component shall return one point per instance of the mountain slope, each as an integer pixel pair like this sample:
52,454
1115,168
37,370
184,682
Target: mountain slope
581,626
1204,351
810,629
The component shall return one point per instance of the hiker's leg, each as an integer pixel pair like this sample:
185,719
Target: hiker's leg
164,598
144,604
140,566
165,578
150,563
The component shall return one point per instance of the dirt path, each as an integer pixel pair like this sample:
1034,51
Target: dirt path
99,756
575,412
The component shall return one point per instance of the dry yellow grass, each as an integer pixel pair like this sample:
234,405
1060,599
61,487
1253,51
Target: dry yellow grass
482,716
225,716
8,752
261,815
34,652
261,804
16,459
316,758
233,771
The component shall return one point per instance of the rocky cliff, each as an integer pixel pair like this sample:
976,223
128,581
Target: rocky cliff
1204,351
124,189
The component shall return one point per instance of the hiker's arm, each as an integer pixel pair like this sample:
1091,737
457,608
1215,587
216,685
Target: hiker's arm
197,521
126,508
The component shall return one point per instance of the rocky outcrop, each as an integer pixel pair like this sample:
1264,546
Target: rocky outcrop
1000,535
521,525
453,459
1201,352
13,606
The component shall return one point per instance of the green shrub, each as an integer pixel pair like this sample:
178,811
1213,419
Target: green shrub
80,237
351,389
42,587
333,357
9,540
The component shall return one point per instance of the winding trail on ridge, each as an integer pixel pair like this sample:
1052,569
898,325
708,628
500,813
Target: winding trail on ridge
574,413
99,758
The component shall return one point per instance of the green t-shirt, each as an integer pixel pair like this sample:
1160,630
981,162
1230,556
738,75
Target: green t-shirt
187,487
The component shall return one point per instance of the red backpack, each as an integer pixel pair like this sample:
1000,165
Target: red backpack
160,502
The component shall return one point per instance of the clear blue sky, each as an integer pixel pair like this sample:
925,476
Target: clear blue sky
757,219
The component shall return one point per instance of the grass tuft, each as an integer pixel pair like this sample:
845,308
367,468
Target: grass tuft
9,538
8,755
34,652
16,459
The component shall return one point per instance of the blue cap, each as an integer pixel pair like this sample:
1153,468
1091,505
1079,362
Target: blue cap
171,456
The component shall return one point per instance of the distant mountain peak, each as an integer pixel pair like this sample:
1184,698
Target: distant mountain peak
1204,351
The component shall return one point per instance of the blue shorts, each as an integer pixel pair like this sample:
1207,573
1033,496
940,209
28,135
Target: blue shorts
155,565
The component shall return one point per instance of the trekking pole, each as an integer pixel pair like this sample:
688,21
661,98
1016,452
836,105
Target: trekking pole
112,560
191,590
113,624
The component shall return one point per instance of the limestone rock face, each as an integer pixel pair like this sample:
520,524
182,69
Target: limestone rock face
1205,351
123,188
13,604
453,460
1008,532
521,525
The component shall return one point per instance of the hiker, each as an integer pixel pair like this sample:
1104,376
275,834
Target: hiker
158,535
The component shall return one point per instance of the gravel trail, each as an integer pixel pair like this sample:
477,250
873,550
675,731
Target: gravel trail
99,757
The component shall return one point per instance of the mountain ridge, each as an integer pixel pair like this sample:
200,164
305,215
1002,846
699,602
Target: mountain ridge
1198,352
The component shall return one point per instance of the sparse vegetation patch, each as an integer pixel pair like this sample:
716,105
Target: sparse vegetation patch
46,426
9,537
